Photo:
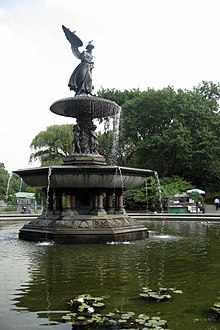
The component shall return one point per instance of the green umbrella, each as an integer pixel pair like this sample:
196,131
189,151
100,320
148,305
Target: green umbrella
195,191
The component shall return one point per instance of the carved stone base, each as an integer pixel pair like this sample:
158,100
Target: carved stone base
84,159
83,229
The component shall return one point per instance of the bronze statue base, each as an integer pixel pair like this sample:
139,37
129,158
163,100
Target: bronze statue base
84,159
74,228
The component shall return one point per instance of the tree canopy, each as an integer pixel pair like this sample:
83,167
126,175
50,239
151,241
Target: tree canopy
173,132
11,184
51,145
176,133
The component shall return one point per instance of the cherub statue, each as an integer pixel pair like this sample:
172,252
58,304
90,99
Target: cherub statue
81,78
94,143
76,139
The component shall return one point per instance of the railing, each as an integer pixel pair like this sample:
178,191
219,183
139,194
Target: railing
13,209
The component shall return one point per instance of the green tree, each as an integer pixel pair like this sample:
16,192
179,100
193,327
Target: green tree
154,194
51,145
174,185
105,144
211,93
174,133
4,177
125,146
120,97
10,183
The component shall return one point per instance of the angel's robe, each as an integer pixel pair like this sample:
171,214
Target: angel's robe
81,78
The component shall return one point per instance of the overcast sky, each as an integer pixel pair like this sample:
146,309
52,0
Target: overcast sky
138,44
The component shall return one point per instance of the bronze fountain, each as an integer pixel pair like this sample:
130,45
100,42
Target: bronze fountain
83,196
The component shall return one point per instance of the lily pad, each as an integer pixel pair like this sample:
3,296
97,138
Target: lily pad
122,321
126,316
160,295
98,298
67,317
98,304
217,304
110,314
86,318
177,291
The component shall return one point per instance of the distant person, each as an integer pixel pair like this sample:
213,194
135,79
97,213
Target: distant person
23,209
216,202
200,208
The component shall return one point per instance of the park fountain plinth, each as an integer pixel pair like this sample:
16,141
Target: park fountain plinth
84,196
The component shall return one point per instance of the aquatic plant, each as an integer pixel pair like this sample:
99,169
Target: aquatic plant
87,303
216,309
116,320
160,295
85,316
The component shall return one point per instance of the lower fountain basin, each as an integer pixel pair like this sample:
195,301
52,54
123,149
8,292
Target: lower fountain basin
72,176
83,229
84,218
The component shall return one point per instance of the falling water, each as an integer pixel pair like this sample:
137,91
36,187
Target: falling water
121,178
48,189
8,186
159,190
161,273
118,172
146,194
162,251
20,185
115,176
106,124
115,143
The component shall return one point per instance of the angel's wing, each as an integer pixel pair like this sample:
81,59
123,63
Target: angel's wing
74,41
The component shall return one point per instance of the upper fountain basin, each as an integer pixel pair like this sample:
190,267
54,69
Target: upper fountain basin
84,176
95,106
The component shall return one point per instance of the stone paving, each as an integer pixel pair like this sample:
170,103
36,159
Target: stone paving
210,209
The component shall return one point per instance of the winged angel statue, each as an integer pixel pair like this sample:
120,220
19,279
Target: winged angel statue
81,78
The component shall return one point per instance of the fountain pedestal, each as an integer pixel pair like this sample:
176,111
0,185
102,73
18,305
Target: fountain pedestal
84,229
84,196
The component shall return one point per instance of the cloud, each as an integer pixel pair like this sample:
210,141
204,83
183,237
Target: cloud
138,44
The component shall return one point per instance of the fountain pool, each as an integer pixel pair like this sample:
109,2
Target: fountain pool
36,279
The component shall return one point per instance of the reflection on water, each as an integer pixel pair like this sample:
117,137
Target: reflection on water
45,243
36,279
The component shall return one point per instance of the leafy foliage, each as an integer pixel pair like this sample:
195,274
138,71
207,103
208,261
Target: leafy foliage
174,185
51,145
153,196
11,184
120,97
172,132
4,175
105,144
175,133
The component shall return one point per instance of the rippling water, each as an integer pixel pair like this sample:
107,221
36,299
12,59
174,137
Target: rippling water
36,279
